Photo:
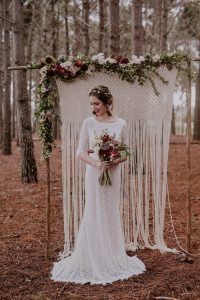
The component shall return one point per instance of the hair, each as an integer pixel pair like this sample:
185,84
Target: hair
104,95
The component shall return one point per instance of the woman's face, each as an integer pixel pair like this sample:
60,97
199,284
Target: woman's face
98,107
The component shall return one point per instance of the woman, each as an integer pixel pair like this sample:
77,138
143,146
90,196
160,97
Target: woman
99,256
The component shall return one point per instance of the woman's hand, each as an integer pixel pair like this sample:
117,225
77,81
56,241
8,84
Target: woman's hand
106,165
103,165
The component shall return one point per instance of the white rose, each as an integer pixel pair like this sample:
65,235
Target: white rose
94,57
66,64
134,60
111,60
43,70
100,58
155,57
140,59
100,55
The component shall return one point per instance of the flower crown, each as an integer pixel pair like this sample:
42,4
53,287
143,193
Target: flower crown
100,90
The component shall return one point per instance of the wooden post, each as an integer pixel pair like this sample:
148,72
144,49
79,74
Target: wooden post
188,159
48,214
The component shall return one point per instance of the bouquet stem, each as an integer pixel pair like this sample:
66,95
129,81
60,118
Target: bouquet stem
104,179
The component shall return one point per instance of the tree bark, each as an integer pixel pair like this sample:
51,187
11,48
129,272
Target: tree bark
106,28
6,144
101,26
173,123
137,29
55,27
29,169
13,124
78,40
114,27
85,16
1,75
163,25
196,134
67,26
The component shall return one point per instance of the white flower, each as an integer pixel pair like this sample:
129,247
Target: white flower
110,60
156,57
99,57
43,70
66,64
94,57
73,70
123,65
134,59
140,59
44,89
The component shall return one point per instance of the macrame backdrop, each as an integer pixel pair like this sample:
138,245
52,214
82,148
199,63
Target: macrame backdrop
144,176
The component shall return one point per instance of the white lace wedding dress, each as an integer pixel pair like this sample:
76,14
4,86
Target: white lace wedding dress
99,256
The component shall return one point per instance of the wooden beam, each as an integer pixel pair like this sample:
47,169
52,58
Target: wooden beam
18,68
26,68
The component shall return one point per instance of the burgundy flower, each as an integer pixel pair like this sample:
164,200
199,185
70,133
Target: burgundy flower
115,153
116,57
105,138
124,60
58,69
84,67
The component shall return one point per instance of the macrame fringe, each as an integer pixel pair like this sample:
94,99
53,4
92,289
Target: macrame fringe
144,177
143,186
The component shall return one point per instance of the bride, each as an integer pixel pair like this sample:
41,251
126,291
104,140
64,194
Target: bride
99,256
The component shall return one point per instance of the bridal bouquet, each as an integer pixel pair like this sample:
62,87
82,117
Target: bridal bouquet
108,149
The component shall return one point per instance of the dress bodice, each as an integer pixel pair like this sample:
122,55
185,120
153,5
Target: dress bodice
92,127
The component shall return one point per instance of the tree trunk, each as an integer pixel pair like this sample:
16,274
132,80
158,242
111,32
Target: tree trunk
106,28
163,25
78,40
13,124
173,123
163,11
67,26
6,145
86,40
101,26
114,27
29,169
137,29
1,75
54,29
196,135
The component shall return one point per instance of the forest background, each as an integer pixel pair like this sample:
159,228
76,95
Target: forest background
57,28
31,30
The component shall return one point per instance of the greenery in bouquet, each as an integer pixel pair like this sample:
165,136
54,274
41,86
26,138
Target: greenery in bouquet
108,149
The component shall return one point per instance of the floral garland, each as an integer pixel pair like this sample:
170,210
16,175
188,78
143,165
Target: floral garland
68,69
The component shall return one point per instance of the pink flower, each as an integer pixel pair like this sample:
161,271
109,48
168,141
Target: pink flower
78,63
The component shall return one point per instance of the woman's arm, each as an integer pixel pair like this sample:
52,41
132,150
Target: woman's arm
102,165
87,159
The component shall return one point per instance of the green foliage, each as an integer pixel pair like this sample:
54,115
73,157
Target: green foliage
190,19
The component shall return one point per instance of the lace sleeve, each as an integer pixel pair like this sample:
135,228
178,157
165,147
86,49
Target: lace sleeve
125,133
83,139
